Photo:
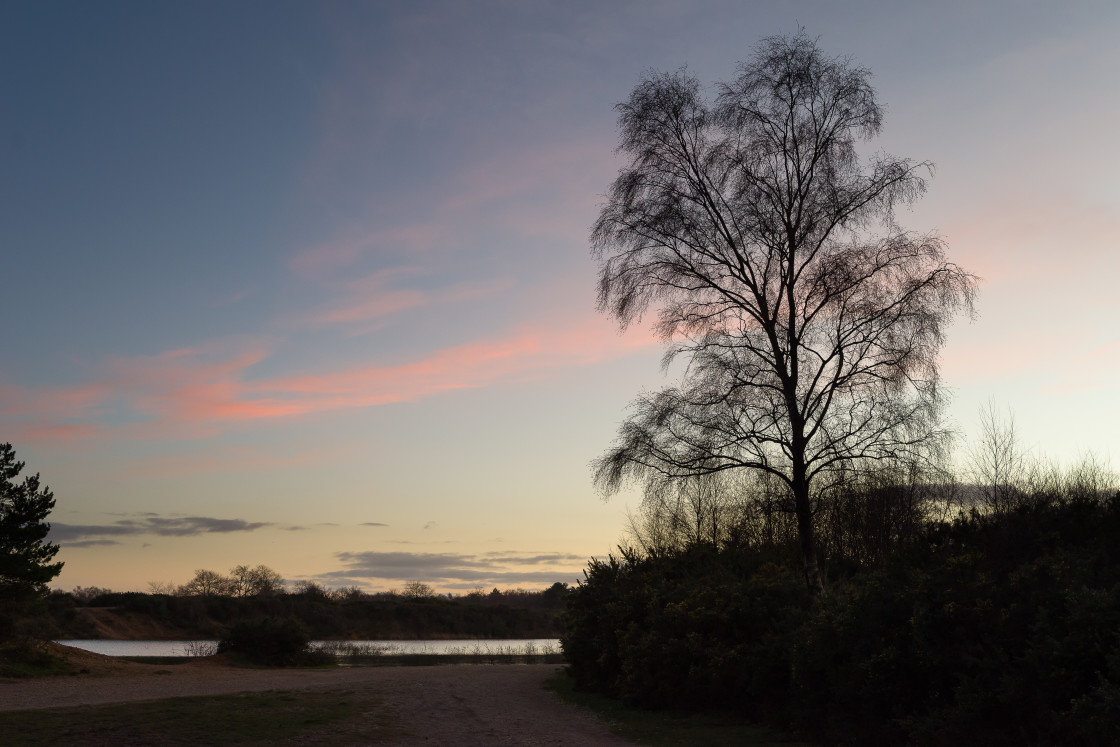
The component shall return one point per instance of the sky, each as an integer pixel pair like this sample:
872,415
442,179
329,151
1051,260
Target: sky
309,284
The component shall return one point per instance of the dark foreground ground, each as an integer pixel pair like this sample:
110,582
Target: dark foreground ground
436,705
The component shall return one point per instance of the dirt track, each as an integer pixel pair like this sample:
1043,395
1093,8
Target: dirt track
437,705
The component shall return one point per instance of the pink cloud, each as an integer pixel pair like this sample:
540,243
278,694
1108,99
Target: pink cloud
531,352
181,391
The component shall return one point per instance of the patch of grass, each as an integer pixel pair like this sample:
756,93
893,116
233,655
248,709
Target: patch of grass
243,718
25,657
670,728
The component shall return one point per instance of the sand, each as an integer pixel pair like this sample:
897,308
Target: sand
463,704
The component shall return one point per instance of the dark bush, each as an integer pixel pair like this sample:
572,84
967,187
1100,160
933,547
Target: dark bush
272,641
693,628
24,656
998,629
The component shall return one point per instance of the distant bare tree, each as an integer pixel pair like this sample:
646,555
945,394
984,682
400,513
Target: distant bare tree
207,584
347,593
864,513
254,582
83,595
418,590
1008,475
161,587
810,321
311,589
997,460
239,580
1089,478
676,513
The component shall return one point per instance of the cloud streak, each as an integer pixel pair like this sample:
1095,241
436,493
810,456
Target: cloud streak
373,298
162,394
87,535
453,570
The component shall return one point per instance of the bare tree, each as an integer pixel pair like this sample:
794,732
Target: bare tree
418,590
997,460
264,581
162,587
254,582
207,583
810,321
239,580
1007,475
676,513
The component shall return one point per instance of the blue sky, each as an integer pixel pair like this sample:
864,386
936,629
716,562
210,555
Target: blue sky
309,284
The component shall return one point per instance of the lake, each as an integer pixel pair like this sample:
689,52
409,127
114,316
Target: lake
433,648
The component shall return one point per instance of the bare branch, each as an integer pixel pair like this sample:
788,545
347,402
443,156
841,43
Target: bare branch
767,247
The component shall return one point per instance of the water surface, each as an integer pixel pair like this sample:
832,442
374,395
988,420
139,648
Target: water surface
434,648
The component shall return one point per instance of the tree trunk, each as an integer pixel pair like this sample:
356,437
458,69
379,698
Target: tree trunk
813,576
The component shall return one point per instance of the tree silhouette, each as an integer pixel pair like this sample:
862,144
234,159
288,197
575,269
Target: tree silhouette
25,555
810,321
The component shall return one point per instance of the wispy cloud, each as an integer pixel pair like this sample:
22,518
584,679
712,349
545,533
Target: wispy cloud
377,296
87,542
193,387
331,256
85,535
454,570
537,559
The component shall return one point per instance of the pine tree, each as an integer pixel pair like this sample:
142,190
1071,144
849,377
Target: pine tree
25,556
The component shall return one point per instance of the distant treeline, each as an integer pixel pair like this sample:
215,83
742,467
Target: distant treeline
998,625
327,614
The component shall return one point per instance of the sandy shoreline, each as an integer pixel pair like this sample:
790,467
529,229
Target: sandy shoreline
443,704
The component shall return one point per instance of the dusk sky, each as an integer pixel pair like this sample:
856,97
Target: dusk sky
309,284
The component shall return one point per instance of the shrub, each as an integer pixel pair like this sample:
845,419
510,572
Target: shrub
692,628
1002,629
271,641
23,656
996,629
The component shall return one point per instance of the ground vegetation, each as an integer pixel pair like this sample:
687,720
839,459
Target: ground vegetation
989,625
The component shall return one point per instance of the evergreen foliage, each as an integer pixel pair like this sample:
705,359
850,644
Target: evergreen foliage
998,629
25,555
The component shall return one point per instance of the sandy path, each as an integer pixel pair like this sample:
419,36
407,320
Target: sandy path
437,705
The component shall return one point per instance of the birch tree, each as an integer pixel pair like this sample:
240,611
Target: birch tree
766,246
